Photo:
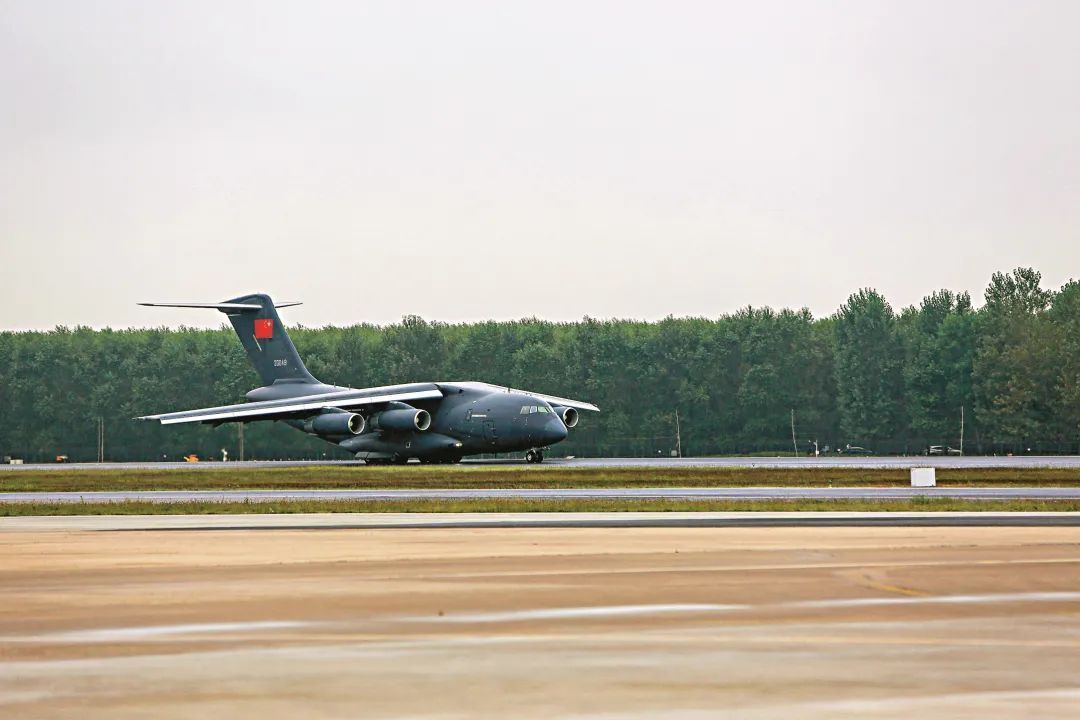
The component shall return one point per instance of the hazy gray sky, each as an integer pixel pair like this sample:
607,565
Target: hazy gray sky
470,160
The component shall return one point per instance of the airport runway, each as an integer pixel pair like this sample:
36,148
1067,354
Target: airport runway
559,624
373,521
737,493
832,461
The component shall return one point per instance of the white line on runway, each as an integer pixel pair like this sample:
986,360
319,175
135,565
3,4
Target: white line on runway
937,600
150,632
564,613
626,493
598,611
584,612
864,706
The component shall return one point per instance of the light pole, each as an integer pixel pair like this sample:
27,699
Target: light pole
961,431
794,445
678,434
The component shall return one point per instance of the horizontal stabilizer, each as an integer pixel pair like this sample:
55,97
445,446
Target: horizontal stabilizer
223,307
210,306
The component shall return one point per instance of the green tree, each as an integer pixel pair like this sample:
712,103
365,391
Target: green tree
862,375
1013,364
868,368
940,340
1064,316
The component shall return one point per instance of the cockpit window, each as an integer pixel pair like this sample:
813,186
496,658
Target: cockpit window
525,410
541,408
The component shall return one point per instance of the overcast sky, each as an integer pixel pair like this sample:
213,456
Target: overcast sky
472,160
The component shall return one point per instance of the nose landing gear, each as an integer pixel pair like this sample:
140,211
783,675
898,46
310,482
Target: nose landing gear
534,456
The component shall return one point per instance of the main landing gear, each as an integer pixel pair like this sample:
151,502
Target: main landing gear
534,456
441,460
394,460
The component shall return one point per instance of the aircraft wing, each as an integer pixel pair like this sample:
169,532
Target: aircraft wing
566,402
553,399
305,404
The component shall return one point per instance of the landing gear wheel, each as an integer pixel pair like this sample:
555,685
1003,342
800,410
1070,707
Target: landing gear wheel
534,456
441,459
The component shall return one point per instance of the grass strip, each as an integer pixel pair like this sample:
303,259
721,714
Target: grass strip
518,505
330,477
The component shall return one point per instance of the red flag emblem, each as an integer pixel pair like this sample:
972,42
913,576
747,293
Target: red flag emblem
264,329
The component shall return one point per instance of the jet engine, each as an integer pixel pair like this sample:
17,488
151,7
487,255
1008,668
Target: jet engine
568,414
336,423
401,418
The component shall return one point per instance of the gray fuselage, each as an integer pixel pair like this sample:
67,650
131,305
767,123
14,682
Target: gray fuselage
465,421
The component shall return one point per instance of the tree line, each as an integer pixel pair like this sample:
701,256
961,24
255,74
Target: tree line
894,382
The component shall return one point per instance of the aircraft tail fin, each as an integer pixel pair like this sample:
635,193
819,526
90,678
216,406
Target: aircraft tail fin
268,346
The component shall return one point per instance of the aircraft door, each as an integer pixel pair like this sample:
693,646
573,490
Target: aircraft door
491,433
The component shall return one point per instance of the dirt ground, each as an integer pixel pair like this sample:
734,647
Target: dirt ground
677,623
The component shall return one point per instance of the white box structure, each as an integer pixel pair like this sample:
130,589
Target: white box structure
923,477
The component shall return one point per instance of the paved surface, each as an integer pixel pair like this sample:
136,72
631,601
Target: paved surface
836,461
343,521
1055,461
529,623
739,493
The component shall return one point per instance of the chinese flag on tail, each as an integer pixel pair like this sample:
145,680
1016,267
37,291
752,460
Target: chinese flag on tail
264,329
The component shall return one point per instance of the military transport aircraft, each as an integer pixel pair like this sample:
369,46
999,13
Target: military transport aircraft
433,422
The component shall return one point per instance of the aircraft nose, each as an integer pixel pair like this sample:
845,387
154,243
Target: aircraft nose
554,431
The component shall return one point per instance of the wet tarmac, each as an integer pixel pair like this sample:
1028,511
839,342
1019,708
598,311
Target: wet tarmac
554,623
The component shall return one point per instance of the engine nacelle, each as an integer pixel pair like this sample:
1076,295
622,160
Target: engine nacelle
336,423
401,420
569,415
